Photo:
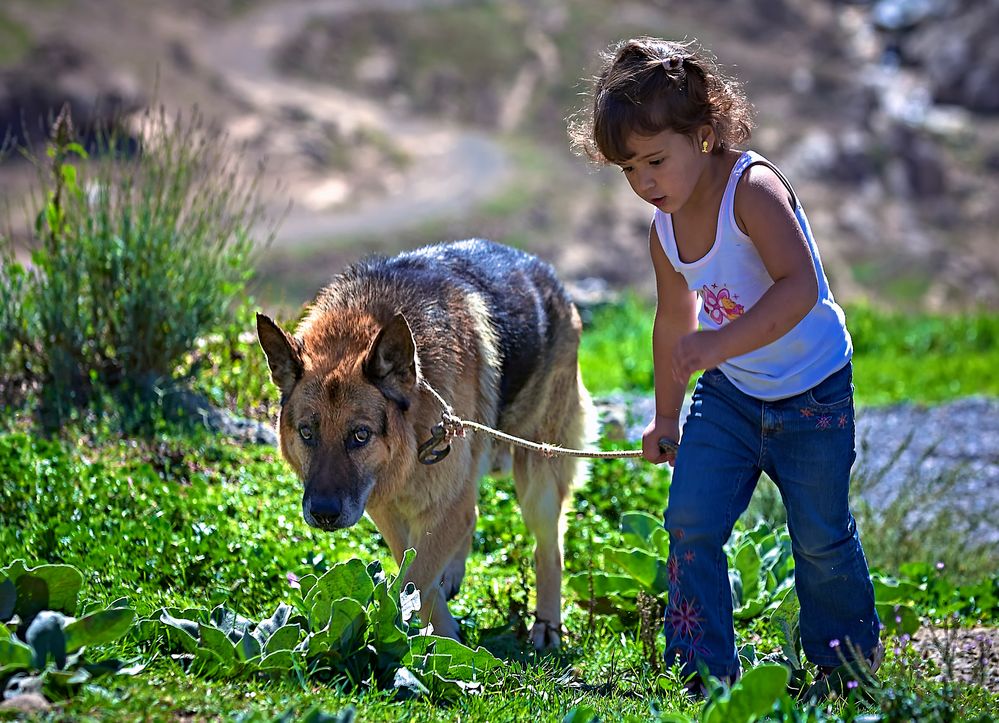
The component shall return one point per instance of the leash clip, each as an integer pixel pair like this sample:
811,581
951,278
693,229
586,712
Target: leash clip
432,451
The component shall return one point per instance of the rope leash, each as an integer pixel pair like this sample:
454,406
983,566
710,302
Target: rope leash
439,445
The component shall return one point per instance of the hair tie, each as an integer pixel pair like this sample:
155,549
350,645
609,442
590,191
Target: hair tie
671,63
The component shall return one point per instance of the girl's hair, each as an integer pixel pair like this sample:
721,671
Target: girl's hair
648,85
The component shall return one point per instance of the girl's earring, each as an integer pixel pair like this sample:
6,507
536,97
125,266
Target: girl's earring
704,146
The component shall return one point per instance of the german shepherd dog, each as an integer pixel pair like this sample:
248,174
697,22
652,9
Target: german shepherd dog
493,331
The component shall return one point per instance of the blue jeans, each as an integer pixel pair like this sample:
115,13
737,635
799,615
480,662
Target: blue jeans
805,444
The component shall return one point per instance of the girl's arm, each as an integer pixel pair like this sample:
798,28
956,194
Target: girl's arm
676,316
765,212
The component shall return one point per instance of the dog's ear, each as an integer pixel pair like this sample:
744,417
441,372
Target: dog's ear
393,354
283,356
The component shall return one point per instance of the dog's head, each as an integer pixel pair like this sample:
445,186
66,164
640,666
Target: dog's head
343,401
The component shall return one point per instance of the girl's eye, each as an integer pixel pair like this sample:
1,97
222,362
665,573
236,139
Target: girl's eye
656,162
361,436
626,169
305,432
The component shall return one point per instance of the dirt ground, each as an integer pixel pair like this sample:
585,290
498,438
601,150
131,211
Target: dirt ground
411,178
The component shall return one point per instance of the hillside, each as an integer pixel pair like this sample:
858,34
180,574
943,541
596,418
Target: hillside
381,140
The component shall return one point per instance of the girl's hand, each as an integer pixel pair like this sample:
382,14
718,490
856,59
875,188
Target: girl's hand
660,426
698,350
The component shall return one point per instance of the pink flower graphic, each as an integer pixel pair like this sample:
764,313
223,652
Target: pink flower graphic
721,306
823,422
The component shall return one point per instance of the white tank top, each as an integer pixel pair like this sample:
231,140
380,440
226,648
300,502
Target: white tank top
731,277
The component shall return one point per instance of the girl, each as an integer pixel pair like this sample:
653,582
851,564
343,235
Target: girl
741,294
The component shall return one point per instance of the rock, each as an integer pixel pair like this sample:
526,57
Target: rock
952,446
959,55
28,704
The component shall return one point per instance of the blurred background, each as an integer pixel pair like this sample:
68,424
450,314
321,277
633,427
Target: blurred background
387,124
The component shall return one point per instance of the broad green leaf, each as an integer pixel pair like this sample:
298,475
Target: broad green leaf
898,619
750,609
248,647
98,628
603,584
186,632
266,628
280,661
348,579
395,587
46,637
14,655
230,622
347,625
285,638
751,697
389,638
305,585
643,566
61,584
894,591
646,532
785,617
747,562
217,641
462,662
208,663
581,714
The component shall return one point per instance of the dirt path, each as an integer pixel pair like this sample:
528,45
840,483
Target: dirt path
450,169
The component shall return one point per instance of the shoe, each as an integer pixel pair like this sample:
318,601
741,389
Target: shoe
873,660
838,679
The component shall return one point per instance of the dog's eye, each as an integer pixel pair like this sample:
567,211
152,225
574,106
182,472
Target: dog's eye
305,432
361,436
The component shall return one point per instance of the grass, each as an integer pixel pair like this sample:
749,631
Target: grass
897,357
192,520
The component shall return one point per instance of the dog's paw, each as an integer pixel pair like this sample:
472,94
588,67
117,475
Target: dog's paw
545,635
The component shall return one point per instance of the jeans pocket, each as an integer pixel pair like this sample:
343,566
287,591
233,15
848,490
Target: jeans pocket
835,391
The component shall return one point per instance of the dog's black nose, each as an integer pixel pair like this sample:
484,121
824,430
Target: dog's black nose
325,511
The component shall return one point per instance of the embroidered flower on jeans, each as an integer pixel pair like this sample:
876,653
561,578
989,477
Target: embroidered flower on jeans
807,413
688,556
673,566
691,648
678,533
843,421
823,422
684,617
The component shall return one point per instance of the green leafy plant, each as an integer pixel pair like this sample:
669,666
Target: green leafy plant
137,254
41,643
760,568
352,623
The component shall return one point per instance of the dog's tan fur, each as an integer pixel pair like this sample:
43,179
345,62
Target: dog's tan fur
362,358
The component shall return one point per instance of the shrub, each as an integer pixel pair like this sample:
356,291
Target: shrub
137,253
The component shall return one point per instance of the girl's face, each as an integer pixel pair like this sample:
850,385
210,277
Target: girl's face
665,168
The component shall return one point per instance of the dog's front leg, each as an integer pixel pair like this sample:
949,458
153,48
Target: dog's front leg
438,546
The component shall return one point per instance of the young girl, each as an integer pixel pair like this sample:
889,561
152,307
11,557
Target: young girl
742,295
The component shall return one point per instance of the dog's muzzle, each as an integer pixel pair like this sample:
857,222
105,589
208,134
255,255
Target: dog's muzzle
323,512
